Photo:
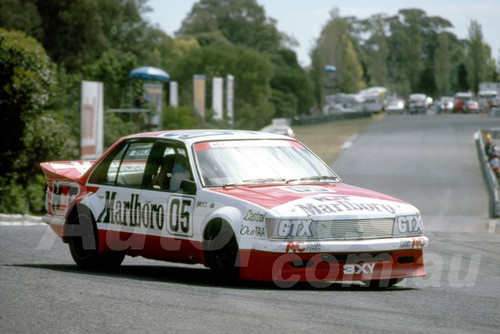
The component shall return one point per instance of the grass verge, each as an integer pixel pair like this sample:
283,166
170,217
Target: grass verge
326,139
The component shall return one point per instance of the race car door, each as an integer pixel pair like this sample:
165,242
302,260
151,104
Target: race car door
169,167
117,204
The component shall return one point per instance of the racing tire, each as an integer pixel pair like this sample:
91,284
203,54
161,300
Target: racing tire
83,243
382,283
222,252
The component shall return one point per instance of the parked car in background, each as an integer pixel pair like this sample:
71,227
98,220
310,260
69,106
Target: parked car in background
417,104
471,106
488,99
395,106
445,104
460,99
373,99
280,126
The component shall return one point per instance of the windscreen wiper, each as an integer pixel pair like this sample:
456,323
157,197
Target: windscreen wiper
315,178
255,182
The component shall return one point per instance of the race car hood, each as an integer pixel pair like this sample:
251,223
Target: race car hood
65,170
309,200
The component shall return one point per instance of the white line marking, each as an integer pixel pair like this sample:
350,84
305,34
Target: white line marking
21,224
349,142
492,225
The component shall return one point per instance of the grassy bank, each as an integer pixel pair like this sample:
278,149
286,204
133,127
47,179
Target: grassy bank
326,139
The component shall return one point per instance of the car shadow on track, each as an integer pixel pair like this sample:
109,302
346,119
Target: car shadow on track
200,276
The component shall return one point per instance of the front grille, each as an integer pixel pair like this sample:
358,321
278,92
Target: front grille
353,229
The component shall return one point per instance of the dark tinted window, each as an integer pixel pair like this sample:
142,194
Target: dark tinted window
125,166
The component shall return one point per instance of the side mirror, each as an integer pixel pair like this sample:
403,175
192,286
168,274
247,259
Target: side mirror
188,187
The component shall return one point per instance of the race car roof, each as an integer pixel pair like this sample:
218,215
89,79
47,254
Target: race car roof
193,136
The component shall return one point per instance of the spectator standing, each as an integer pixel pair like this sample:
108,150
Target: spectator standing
495,165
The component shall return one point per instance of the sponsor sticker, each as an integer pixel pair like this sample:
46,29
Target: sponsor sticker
359,268
409,224
175,216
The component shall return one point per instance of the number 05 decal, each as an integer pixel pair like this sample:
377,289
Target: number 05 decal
179,217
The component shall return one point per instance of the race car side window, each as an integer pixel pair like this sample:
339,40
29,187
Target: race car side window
125,166
169,167
131,168
103,174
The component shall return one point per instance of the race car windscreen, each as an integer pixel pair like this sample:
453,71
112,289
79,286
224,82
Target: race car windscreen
225,163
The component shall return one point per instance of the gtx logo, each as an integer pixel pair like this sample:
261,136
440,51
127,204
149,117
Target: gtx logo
409,224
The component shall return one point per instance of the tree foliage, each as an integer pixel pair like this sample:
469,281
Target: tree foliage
29,134
103,40
477,58
442,65
252,72
407,53
335,46
238,21
240,24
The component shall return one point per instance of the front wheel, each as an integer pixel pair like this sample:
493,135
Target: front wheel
222,252
83,243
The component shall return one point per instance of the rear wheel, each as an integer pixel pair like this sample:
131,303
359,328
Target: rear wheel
83,243
222,251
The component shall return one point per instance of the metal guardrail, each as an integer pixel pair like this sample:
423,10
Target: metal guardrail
489,175
316,119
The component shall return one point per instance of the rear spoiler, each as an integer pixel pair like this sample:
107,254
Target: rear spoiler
66,170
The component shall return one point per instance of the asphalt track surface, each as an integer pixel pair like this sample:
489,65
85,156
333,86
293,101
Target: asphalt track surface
429,161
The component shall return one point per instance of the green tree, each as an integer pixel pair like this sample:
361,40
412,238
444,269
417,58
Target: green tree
442,65
336,47
244,22
292,88
376,51
179,118
29,134
238,21
116,127
252,72
462,78
76,33
21,15
407,44
427,83
112,70
477,56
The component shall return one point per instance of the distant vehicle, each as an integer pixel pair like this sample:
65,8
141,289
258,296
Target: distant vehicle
428,102
373,99
460,99
395,106
471,106
279,126
445,104
417,104
488,99
371,103
489,96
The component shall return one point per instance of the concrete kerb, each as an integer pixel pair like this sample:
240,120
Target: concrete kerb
20,219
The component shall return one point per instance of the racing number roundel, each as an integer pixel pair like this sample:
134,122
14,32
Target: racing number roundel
180,213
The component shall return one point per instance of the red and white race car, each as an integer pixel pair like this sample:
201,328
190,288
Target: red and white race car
249,205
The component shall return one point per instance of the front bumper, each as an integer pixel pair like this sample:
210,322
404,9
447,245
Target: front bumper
357,260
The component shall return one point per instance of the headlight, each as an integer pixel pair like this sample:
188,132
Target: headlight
408,225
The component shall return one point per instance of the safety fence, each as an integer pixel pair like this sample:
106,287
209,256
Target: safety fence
489,175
